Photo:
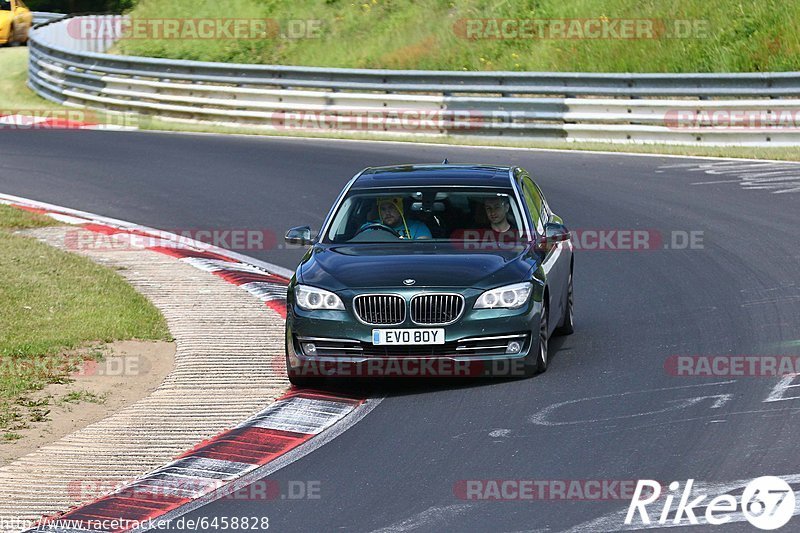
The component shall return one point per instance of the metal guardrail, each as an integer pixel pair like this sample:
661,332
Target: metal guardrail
665,108
43,17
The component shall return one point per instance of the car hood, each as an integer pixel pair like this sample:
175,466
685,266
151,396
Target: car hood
431,265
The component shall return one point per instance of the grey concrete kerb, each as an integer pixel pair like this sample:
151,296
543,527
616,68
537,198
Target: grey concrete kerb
228,366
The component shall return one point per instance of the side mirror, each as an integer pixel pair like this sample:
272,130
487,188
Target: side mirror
300,235
553,233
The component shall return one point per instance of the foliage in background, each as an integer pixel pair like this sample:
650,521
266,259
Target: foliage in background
742,36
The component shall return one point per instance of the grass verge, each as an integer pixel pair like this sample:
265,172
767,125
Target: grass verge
14,94
56,310
474,35
17,98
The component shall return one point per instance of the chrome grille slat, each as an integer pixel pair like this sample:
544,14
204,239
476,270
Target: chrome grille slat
436,309
380,309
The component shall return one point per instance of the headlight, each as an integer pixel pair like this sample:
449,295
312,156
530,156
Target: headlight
508,297
312,298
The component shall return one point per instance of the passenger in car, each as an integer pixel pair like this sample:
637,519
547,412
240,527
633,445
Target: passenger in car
497,208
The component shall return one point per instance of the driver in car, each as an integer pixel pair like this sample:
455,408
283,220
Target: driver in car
390,213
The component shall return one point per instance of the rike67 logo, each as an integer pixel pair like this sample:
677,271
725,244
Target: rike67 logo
767,502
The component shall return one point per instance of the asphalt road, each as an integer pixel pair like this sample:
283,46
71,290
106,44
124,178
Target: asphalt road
606,409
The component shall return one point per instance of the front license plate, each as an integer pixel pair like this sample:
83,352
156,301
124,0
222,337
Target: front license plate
407,336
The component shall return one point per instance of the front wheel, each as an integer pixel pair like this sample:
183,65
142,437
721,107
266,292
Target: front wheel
305,382
539,364
300,381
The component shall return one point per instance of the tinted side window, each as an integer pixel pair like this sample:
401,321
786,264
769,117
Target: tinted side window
548,211
534,202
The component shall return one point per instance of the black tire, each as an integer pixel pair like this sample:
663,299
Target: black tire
567,325
305,382
537,361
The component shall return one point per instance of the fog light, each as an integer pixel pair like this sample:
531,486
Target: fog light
309,348
513,347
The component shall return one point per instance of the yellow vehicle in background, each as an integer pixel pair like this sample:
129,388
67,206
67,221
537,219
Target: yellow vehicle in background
15,22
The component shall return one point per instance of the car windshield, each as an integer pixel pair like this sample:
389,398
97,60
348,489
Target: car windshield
5,5
425,213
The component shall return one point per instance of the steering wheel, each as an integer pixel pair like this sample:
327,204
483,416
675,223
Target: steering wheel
378,225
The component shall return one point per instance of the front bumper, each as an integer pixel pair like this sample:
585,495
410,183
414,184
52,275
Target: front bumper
475,345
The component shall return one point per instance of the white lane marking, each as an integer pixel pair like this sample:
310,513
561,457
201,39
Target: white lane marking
720,165
776,300
786,383
713,182
779,178
300,415
541,417
763,412
787,191
69,219
431,518
677,405
615,520
721,399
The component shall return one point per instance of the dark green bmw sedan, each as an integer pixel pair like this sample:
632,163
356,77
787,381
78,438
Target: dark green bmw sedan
430,270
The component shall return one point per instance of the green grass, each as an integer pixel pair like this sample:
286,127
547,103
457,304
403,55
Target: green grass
14,219
738,36
51,304
17,98
81,396
14,95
